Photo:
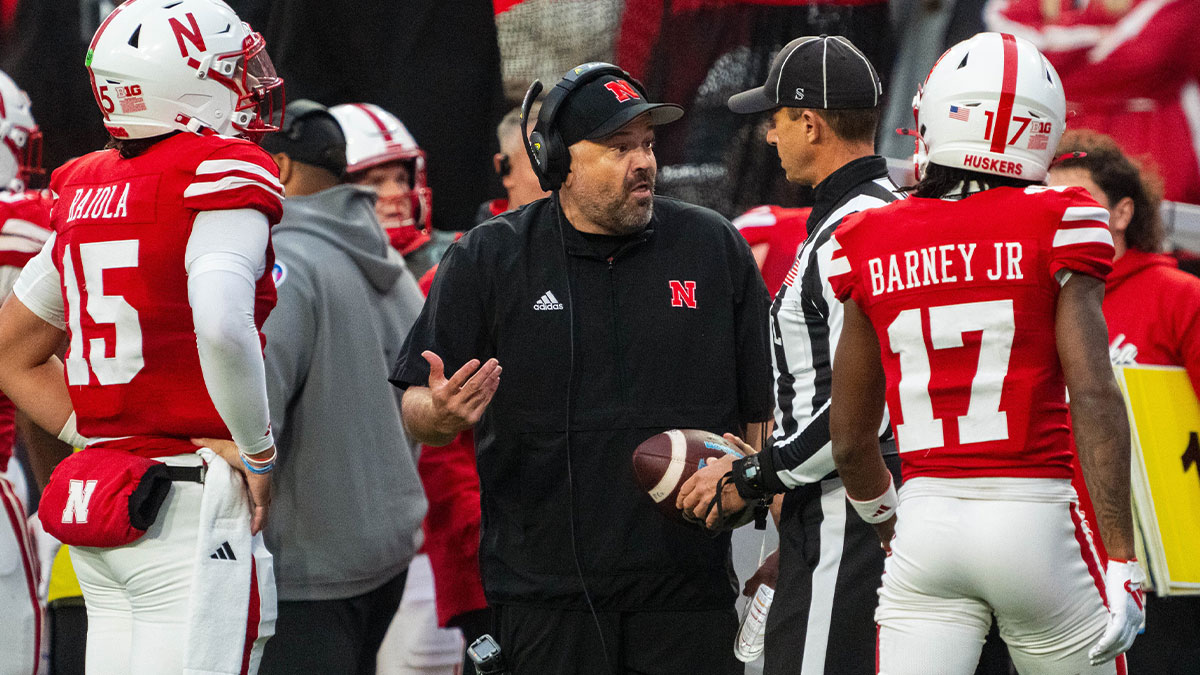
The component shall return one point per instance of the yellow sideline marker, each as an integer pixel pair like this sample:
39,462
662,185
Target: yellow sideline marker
1165,424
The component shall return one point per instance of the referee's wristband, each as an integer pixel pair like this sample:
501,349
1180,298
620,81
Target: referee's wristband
747,477
879,509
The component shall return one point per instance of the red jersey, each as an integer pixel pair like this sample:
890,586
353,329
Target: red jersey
123,225
782,231
24,226
963,295
24,229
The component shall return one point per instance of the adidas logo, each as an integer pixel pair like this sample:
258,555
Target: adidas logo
224,552
547,301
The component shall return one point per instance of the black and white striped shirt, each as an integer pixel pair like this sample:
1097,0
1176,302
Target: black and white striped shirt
806,321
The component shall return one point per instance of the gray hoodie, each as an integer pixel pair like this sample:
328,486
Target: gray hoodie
348,504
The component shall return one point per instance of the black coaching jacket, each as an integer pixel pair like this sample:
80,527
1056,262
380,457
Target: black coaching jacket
615,339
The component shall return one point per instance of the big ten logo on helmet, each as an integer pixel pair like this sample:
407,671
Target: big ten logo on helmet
1039,131
622,90
683,293
130,98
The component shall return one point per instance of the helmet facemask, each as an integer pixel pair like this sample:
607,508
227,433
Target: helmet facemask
26,148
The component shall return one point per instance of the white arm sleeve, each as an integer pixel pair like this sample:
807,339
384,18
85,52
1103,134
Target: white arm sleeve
226,255
40,289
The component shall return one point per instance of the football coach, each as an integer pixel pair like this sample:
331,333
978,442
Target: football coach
615,314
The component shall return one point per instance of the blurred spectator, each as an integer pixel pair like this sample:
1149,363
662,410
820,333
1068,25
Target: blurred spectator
432,63
699,52
925,29
512,165
774,234
1152,308
348,502
542,39
1128,71
1153,315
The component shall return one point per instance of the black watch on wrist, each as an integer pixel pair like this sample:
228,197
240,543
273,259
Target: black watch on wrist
747,478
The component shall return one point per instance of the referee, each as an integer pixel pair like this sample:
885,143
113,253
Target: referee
824,98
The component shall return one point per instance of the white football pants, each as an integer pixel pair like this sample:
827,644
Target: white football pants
20,611
137,595
955,561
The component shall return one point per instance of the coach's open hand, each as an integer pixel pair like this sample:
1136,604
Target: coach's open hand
435,414
459,402
258,486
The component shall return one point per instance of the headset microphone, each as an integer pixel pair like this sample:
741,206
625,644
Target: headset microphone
534,154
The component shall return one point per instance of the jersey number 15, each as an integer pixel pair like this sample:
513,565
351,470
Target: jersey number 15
126,361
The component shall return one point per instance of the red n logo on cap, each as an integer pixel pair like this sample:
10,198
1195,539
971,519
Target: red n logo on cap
622,90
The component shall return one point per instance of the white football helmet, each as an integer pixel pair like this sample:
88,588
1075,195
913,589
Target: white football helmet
992,103
170,65
22,153
374,136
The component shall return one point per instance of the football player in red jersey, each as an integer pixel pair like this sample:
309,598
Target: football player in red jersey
158,274
24,228
972,309
381,154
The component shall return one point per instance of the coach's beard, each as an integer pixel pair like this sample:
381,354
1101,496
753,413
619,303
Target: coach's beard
629,210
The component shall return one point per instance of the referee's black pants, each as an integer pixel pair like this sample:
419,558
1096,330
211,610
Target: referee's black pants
822,620
540,641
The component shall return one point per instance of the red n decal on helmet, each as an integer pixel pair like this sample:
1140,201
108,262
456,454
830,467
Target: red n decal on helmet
182,32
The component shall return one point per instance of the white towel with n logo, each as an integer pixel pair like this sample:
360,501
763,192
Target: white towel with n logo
233,610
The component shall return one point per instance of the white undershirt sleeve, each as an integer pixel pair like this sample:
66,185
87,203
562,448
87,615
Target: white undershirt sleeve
40,289
226,255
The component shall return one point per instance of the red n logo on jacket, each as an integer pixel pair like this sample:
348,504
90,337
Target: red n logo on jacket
683,293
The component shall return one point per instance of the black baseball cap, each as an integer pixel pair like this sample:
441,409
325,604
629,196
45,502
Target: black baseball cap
606,104
310,134
826,72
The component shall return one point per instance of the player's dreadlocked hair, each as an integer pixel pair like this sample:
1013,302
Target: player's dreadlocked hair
943,181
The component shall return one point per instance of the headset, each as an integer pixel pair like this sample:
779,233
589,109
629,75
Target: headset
548,154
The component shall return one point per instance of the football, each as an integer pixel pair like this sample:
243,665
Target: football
664,462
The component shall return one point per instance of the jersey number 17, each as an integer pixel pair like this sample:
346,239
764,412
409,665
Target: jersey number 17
984,420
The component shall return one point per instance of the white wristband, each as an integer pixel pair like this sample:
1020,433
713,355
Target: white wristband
70,434
879,509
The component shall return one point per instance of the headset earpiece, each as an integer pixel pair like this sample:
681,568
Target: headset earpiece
550,157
